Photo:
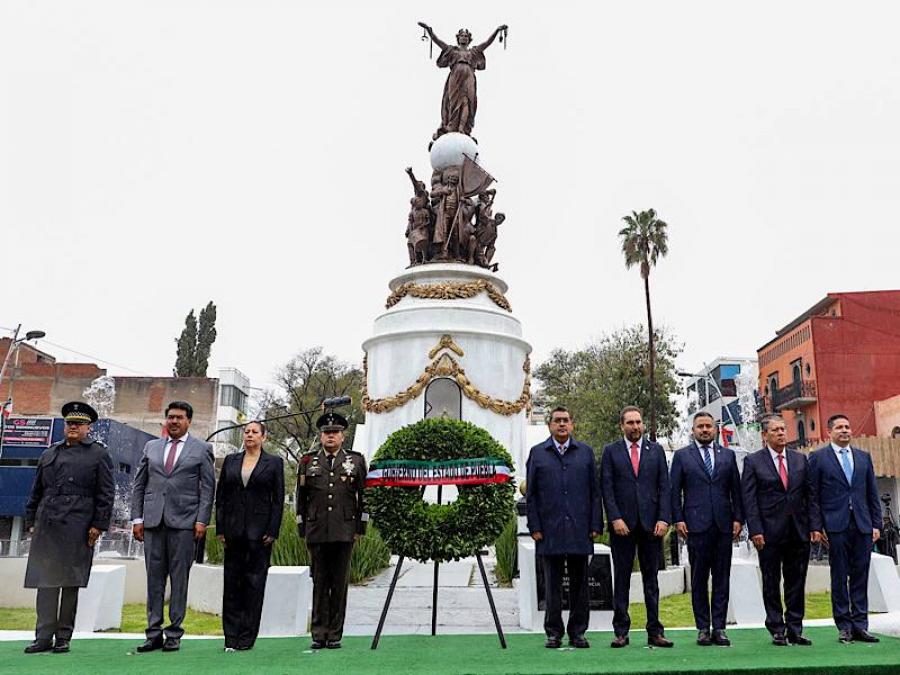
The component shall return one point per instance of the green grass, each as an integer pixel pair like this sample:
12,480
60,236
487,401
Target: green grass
675,610
134,620
454,654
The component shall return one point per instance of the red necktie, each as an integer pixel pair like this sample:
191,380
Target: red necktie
170,458
635,458
782,471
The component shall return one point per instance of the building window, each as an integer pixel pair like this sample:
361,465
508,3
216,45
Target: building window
895,433
124,468
231,396
812,425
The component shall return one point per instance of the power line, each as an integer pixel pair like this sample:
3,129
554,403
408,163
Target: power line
97,358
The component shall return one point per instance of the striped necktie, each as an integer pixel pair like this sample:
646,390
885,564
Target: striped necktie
707,460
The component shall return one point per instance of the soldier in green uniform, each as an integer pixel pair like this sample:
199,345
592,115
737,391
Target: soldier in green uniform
331,516
70,505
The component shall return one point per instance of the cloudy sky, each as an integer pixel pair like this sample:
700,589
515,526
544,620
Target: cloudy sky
157,155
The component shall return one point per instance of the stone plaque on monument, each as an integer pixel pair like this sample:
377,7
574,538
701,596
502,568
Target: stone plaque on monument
599,584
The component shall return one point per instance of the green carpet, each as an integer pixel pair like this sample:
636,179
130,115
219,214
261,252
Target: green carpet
751,652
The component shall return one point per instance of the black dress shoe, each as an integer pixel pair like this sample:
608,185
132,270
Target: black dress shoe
553,643
659,641
317,644
720,639
61,646
333,644
779,640
151,645
864,636
171,645
703,638
845,637
579,642
799,640
619,641
39,646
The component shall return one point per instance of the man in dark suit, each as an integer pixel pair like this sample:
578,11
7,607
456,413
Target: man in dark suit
782,519
634,479
331,516
843,479
708,512
564,516
171,505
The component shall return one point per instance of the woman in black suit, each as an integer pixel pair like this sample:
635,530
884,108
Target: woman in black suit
249,506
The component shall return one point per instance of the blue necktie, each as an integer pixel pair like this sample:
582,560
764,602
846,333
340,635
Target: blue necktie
845,462
707,460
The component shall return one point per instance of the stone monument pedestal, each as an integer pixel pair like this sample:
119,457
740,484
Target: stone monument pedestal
531,617
448,326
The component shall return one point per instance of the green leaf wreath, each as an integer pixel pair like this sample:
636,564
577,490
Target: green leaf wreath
441,532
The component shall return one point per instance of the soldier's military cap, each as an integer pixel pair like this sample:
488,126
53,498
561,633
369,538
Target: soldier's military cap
331,421
78,411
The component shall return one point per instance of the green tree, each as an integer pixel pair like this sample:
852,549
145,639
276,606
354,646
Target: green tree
206,335
302,383
186,351
644,240
596,382
195,344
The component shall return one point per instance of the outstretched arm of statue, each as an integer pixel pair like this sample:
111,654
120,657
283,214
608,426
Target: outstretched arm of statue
440,43
418,186
487,43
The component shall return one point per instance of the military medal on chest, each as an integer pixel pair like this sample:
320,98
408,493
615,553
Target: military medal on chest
347,468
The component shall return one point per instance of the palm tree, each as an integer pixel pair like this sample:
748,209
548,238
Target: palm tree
644,240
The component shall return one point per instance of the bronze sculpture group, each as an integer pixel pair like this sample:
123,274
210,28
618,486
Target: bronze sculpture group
454,221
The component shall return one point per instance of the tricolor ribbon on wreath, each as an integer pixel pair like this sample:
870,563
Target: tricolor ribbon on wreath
416,473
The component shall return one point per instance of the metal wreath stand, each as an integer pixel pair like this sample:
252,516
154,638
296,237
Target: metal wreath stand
434,596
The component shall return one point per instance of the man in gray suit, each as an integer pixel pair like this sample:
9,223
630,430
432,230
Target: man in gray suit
171,506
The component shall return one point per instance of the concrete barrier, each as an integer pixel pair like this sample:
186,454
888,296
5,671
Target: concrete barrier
205,587
884,584
100,603
671,582
745,603
286,607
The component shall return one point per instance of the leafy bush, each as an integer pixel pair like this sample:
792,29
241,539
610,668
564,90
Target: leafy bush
415,529
370,554
507,550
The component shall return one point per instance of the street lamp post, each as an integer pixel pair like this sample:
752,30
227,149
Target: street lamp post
13,347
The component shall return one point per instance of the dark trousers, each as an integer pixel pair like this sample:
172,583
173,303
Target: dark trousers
330,566
788,559
168,554
579,608
246,570
648,552
849,554
56,613
710,553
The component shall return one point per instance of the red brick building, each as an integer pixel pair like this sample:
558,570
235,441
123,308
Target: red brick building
841,355
41,385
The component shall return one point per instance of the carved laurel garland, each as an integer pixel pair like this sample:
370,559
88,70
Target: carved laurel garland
446,366
448,291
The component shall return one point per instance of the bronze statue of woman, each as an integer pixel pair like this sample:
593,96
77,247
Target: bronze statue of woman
460,93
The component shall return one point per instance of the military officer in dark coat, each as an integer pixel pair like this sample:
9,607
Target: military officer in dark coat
331,515
70,505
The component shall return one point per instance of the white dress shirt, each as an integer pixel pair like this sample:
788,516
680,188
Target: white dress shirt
712,453
561,449
774,455
628,443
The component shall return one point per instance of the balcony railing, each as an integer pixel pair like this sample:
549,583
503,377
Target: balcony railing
797,394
